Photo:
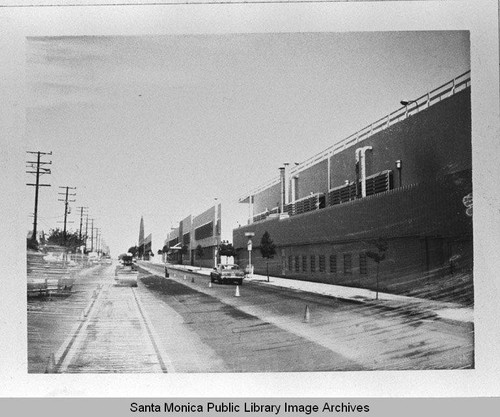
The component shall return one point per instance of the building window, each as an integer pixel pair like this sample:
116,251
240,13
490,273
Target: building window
202,232
290,260
322,267
333,263
347,263
304,263
297,264
313,263
362,263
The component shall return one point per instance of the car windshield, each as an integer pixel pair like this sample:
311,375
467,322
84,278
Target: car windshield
230,267
127,259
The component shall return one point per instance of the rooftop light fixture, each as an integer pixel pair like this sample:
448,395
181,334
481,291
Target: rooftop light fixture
406,103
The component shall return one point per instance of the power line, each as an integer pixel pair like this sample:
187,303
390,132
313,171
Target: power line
92,236
86,231
81,220
39,170
66,202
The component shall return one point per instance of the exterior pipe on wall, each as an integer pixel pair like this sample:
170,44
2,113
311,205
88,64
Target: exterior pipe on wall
282,188
250,209
361,163
286,190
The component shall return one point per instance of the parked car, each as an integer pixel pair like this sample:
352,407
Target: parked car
126,274
106,260
227,273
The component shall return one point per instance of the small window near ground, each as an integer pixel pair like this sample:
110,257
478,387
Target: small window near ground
333,263
362,263
322,267
347,263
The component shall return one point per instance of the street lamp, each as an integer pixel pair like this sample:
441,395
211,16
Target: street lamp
406,103
249,235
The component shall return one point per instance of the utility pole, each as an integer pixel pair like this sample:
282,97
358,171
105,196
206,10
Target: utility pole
81,220
86,231
92,236
39,170
97,240
66,202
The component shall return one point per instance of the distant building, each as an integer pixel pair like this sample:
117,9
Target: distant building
147,247
140,244
404,181
203,230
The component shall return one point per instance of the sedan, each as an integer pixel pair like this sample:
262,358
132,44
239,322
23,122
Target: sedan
227,273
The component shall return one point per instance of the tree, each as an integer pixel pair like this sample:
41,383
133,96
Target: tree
226,249
267,249
69,240
165,252
379,256
133,250
199,253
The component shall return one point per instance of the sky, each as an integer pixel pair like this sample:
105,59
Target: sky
161,126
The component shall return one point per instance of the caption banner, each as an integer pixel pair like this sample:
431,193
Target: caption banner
374,407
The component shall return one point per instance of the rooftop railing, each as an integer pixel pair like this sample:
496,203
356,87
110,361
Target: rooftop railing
413,107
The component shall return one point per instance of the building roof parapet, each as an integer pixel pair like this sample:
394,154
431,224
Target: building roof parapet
407,110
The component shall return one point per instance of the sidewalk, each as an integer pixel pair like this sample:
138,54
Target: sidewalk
444,310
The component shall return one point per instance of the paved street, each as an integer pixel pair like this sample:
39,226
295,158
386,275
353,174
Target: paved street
184,324
371,334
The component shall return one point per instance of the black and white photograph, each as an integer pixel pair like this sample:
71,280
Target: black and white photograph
369,240
267,201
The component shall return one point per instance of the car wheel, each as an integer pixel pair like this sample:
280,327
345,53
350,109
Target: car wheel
240,282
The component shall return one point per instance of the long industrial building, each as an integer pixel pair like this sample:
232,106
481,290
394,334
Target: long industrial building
202,231
389,207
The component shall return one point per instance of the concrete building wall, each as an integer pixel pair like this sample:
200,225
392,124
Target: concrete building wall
210,222
185,231
313,180
430,144
445,127
267,199
423,220
424,228
433,208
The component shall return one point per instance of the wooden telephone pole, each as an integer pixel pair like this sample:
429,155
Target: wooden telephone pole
66,206
38,169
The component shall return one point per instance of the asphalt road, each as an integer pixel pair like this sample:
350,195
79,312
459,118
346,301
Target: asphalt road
359,335
184,324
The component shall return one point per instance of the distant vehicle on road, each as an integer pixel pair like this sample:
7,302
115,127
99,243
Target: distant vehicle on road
126,273
227,273
106,260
